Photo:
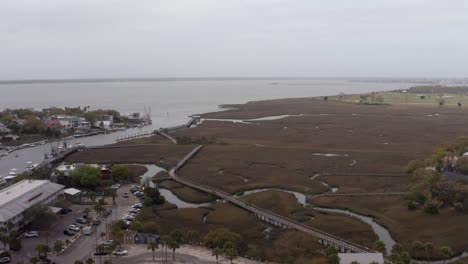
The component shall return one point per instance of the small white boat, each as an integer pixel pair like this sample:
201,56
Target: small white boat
31,165
9,178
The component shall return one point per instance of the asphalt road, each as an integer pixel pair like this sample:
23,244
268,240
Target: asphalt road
84,247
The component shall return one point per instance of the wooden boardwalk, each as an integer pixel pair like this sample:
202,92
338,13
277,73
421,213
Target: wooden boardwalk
270,217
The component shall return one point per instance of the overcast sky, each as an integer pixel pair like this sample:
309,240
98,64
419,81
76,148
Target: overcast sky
203,38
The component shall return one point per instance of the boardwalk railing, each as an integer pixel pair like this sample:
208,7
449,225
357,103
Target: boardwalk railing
265,215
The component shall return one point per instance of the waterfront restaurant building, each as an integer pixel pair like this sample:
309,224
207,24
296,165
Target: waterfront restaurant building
15,199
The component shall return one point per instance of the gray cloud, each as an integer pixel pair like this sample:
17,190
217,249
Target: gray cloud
182,38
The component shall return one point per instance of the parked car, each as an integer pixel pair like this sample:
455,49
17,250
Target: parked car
138,205
87,231
134,210
31,234
96,222
68,232
120,252
102,253
107,242
5,260
81,220
74,228
125,195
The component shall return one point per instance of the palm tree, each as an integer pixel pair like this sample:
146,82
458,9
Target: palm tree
86,212
34,260
100,248
58,246
447,252
428,249
397,249
192,236
173,244
417,248
166,240
46,235
103,234
216,252
42,250
152,246
4,237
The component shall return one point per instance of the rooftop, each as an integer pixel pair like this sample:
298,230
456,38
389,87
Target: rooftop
362,258
18,197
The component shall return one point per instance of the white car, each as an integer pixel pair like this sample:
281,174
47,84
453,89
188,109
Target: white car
74,228
107,242
120,252
5,260
31,234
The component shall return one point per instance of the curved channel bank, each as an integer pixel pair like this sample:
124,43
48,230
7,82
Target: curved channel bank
381,232
168,194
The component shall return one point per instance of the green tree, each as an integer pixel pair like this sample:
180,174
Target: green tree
40,216
42,250
428,250
120,173
34,260
58,246
230,250
447,252
216,252
332,255
220,236
152,246
380,247
397,248
417,248
173,245
192,236
177,236
86,176
4,237
153,196
100,249
89,261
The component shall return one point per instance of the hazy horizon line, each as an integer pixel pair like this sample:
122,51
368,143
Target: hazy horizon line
227,78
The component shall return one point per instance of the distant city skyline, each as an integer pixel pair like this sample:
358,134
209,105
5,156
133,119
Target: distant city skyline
54,39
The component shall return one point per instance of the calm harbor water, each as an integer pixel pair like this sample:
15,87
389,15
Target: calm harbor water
171,102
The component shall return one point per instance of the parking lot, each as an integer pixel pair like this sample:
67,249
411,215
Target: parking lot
84,246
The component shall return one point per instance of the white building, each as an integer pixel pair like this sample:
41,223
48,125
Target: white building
73,122
15,199
361,258
66,169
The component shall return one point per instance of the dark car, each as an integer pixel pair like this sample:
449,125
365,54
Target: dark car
81,220
102,253
68,232
65,211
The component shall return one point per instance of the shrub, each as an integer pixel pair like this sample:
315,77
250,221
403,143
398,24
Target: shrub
432,207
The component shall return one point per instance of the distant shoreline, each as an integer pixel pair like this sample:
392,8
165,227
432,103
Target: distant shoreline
169,79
